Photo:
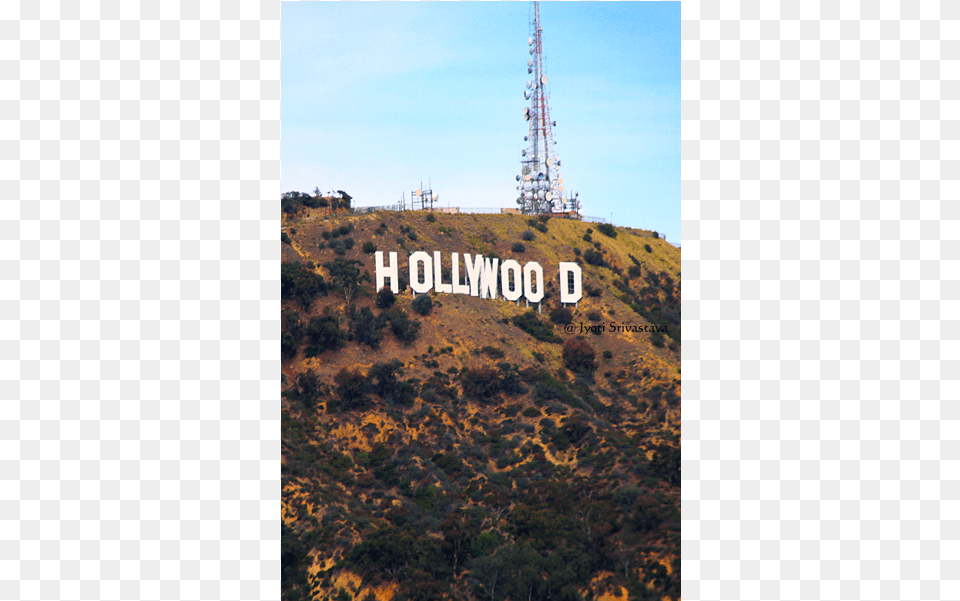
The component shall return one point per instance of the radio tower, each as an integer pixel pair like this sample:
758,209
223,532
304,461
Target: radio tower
540,182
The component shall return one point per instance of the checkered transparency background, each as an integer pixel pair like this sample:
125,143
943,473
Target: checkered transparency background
139,287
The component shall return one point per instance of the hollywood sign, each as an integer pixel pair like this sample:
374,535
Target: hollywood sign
486,278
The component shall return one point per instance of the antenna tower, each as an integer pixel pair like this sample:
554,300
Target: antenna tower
540,182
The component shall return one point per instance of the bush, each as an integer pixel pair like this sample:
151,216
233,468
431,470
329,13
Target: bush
578,355
587,238
541,227
492,352
561,315
529,323
385,298
365,327
657,339
607,230
291,333
577,251
647,248
348,242
528,235
518,247
390,388
423,304
323,334
656,235
592,257
405,329
369,248
351,386
594,316
299,283
607,354
480,382
284,238
431,218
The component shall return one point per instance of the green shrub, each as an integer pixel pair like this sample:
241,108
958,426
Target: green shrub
351,386
369,248
365,327
561,315
291,333
529,323
405,329
656,234
385,298
423,304
323,334
300,283
647,248
607,230
587,238
284,238
480,383
492,352
592,257
348,242
431,218
607,354
528,235
518,247
541,227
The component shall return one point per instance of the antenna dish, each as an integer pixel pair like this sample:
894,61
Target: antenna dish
543,79
526,170
419,192
549,195
526,177
527,116
561,188
518,178
529,62
529,41
549,161
554,123
526,95
529,70
523,153
529,84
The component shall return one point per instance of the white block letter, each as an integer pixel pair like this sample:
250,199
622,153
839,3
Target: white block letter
458,288
388,271
566,296
488,279
474,269
528,270
415,260
511,266
438,285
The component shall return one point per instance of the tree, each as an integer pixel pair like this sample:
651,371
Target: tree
344,199
346,275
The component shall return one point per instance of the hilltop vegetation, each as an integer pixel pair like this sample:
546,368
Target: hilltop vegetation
452,447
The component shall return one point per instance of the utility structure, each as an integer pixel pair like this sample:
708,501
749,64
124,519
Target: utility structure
423,199
540,182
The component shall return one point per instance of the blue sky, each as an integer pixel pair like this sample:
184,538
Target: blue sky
377,95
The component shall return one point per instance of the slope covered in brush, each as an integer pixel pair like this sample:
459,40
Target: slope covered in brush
453,447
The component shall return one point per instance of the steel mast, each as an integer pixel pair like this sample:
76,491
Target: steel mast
539,183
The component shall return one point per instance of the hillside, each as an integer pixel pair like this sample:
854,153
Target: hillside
473,449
